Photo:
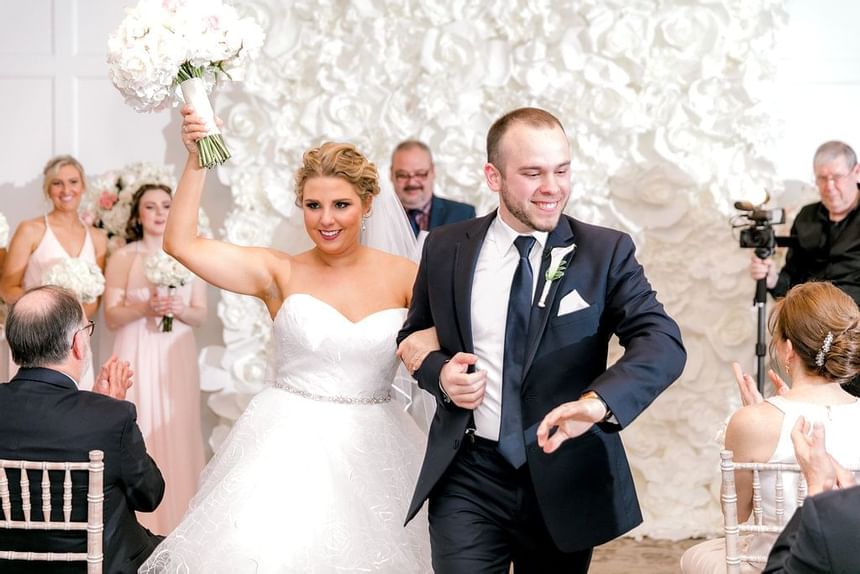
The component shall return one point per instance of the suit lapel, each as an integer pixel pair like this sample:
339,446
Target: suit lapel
561,236
437,212
465,260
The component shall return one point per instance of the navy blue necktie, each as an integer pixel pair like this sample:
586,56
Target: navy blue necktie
511,442
414,214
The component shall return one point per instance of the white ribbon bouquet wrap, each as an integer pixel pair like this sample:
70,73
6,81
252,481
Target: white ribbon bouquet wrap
82,278
162,270
4,232
164,48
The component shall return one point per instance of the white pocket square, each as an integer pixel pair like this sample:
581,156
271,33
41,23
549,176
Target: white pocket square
571,303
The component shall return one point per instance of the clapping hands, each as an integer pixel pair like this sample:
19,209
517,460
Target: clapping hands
750,394
114,378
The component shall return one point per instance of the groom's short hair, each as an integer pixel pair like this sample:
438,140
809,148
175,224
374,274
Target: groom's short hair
534,117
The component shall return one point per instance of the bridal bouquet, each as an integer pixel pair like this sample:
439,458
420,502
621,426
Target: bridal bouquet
107,201
82,278
164,271
165,44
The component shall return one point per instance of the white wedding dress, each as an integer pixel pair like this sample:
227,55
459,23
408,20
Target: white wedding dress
317,474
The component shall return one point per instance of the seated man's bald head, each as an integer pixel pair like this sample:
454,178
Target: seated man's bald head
41,324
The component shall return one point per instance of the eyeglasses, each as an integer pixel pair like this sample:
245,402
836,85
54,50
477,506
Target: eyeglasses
404,176
89,328
835,178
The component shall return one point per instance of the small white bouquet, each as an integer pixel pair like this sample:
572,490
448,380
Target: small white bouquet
165,44
163,270
82,278
4,232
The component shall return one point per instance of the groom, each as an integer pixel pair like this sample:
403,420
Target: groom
524,463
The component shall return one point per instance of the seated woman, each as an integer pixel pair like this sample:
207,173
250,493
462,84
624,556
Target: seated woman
815,336
40,243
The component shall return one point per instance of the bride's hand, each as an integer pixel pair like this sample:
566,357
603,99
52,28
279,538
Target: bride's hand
415,348
193,128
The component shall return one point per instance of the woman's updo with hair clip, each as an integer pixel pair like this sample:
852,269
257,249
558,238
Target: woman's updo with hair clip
341,160
821,321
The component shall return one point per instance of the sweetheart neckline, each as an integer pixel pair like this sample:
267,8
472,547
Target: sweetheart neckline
335,309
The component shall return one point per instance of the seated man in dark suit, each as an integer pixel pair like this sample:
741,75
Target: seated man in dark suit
824,533
413,175
43,416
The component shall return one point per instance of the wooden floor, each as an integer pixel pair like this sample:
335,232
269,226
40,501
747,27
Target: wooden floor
627,556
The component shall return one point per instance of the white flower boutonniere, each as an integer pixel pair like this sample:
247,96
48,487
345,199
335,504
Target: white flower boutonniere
556,269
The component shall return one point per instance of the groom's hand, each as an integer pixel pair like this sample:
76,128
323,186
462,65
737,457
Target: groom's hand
570,420
466,390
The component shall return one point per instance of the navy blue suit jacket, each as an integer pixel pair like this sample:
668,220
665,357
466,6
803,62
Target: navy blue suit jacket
445,211
43,416
822,536
585,489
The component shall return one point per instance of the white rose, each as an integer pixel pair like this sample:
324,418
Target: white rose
249,228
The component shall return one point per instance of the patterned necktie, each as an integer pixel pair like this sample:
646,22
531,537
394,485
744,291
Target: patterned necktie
511,442
414,219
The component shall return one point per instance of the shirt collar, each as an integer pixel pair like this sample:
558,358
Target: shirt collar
504,235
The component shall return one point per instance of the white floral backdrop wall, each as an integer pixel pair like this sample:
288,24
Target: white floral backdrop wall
666,106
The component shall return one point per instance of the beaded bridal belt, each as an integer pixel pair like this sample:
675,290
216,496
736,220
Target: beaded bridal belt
375,399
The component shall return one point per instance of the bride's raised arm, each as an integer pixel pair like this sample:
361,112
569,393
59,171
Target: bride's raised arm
245,270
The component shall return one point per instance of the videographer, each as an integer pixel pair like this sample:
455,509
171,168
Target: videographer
826,234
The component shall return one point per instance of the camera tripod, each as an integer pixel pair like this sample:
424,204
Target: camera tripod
760,303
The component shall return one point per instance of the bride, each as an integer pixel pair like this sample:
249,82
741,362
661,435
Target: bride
317,473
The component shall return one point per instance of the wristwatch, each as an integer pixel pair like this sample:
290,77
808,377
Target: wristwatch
593,395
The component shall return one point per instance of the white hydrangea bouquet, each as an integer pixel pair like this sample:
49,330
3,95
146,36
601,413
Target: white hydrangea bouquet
82,278
107,201
165,44
4,232
163,270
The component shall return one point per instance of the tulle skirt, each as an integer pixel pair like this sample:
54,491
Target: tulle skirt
305,486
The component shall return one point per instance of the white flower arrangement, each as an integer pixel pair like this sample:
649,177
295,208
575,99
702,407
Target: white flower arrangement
163,270
165,44
4,232
82,278
107,202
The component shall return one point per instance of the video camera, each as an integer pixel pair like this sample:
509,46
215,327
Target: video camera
757,224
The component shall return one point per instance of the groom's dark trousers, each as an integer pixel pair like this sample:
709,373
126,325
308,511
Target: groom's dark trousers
549,514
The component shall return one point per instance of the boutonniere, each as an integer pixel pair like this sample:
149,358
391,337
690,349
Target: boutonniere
556,269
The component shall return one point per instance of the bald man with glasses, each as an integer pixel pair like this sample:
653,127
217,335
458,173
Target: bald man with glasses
413,176
43,416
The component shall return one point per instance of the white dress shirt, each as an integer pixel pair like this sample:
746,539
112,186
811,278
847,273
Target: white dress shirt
491,290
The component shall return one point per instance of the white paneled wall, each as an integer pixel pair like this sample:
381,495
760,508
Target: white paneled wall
55,98
819,81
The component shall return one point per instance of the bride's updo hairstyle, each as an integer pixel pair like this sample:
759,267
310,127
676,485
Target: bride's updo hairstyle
821,322
53,167
341,160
